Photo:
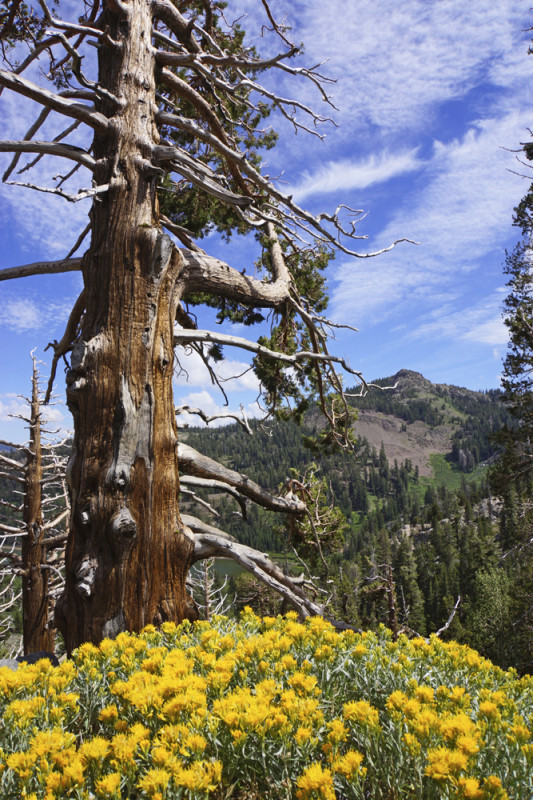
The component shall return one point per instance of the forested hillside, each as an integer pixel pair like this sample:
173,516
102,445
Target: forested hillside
419,533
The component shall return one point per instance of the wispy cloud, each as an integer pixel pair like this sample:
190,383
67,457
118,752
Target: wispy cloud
40,219
11,405
350,174
461,217
480,324
396,63
22,314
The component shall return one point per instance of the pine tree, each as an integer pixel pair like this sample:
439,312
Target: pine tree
513,473
516,440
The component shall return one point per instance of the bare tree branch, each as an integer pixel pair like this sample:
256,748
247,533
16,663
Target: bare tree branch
241,419
82,194
450,618
41,268
216,486
194,463
184,336
48,148
259,564
53,101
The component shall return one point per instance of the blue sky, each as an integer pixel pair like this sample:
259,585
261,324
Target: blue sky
432,96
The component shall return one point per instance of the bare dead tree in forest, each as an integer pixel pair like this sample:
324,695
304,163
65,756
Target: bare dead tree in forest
33,530
173,105
212,596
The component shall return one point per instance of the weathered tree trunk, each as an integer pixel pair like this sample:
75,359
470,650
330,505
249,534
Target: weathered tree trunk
127,555
36,631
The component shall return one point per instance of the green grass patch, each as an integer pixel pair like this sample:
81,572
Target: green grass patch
446,474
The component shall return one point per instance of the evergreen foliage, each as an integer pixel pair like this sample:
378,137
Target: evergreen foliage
440,544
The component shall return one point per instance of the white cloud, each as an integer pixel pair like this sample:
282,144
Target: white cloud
458,321
11,405
460,218
235,376
55,420
41,219
23,314
347,174
394,63
492,332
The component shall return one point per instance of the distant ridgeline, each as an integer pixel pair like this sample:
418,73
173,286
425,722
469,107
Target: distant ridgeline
470,416
429,426
415,495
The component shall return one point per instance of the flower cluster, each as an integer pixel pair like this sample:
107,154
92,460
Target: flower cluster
270,708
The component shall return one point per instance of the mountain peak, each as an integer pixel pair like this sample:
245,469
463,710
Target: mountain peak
409,375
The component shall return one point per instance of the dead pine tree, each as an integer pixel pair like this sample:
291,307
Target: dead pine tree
30,545
169,96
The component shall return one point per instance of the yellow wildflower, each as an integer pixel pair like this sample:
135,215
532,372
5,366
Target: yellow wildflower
155,780
493,789
72,774
21,764
425,723
349,765
460,697
168,628
324,653
108,714
109,786
161,756
124,749
94,749
519,733
361,712
443,763
302,735
458,725
302,683
412,744
489,710
337,731
315,784
425,694
469,788
201,776
527,750
397,701
467,744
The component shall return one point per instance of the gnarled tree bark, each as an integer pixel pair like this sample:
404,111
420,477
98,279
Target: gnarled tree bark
127,556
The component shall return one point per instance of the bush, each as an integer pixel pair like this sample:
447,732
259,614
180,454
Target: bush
266,708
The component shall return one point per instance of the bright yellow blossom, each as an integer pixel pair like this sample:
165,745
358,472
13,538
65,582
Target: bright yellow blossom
361,712
303,735
94,749
469,788
336,731
493,789
316,783
154,781
443,763
349,765
425,694
109,786
108,714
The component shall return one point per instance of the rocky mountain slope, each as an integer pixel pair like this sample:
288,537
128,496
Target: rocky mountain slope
417,419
